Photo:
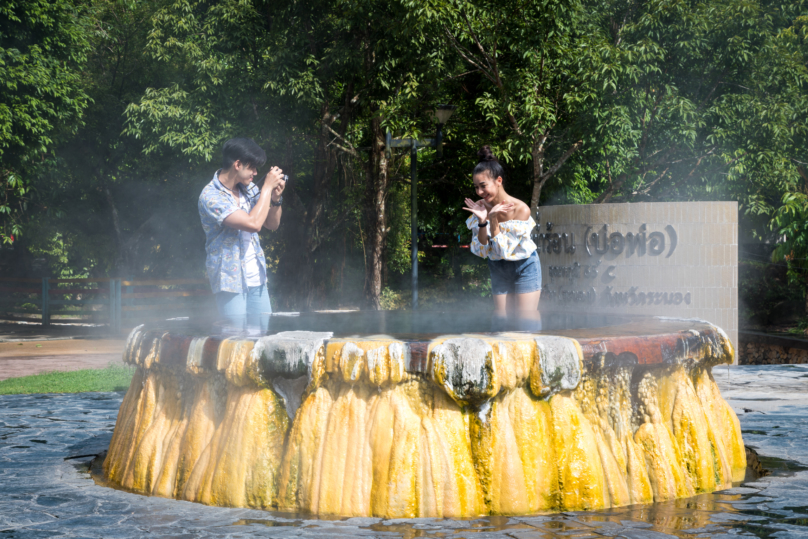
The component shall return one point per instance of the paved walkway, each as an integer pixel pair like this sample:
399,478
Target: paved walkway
34,331
35,356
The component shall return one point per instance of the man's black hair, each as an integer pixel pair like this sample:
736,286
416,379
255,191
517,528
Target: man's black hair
244,150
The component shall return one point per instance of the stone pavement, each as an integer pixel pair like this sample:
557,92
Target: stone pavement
47,443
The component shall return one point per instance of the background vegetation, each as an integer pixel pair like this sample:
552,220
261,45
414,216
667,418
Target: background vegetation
112,113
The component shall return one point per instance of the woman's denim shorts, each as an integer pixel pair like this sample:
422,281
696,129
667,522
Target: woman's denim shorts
515,276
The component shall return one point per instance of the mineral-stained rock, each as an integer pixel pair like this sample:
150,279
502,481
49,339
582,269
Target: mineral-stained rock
482,424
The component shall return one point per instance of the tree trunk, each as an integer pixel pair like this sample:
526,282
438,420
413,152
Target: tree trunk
806,306
540,176
297,271
457,268
121,261
375,216
537,152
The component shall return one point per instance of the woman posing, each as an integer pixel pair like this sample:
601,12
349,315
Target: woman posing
502,225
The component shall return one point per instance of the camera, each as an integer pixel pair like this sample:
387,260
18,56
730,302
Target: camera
285,179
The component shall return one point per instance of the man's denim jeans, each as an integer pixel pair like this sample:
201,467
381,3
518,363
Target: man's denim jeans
245,311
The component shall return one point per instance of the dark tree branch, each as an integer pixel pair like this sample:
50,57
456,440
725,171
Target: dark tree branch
651,184
563,159
708,173
609,192
468,56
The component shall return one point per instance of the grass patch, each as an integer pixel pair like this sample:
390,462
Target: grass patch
112,378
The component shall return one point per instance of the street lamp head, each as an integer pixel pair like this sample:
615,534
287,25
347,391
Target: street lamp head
444,112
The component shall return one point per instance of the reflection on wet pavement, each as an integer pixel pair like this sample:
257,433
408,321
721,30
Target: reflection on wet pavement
47,443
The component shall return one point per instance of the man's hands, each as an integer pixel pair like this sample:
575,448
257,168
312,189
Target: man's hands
260,215
273,180
273,219
278,191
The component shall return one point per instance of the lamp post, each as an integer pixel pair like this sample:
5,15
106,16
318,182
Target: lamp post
442,114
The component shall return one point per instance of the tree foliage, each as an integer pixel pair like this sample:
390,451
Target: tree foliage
43,46
116,113
532,92
702,100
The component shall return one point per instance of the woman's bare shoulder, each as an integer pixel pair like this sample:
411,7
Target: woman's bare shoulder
521,210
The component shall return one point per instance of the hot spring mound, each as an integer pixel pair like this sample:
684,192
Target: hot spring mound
456,426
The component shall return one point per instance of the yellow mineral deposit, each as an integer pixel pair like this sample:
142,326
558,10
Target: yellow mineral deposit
476,424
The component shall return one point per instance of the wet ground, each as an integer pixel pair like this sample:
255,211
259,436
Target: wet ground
47,443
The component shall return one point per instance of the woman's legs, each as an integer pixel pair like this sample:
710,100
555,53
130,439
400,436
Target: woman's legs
527,306
258,308
519,286
526,303
501,286
527,288
517,312
501,304
499,318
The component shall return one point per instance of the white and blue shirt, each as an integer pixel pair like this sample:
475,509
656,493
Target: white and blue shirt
512,243
226,262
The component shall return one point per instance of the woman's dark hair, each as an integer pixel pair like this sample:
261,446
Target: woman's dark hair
488,164
244,150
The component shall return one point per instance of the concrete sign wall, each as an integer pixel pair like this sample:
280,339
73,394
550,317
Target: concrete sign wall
672,259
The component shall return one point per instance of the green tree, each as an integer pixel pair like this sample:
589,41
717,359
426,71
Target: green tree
702,99
118,210
532,92
43,46
586,101
316,82
638,100
791,223
249,69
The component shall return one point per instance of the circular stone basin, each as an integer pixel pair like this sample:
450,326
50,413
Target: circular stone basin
427,421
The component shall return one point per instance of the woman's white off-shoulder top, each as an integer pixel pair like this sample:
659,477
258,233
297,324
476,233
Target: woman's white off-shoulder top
512,243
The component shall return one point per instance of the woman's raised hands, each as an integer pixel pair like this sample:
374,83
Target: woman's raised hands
477,208
500,209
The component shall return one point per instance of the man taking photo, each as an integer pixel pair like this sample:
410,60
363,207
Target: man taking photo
233,210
